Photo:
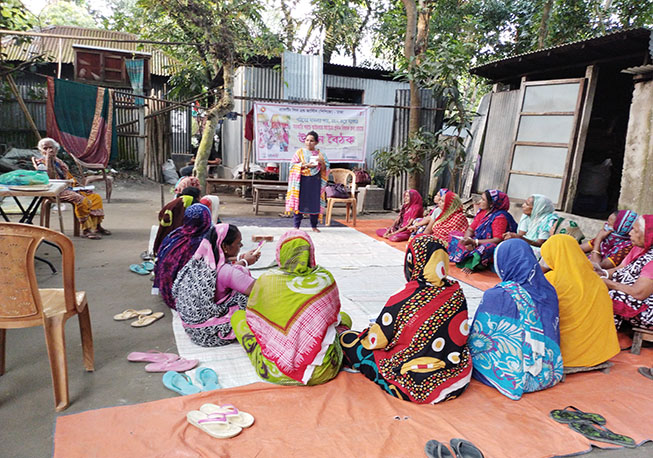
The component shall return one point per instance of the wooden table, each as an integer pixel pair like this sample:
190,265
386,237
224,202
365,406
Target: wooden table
55,188
263,192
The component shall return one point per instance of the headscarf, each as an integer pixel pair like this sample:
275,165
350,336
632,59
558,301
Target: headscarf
618,238
292,310
213,202
210,246
515,339
178,247
186,182
499,205
413,209
540,219
648,236
452,217
587,333
420,337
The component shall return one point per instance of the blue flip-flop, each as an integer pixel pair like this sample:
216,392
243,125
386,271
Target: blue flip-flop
207,379
138,269
147,265
179,383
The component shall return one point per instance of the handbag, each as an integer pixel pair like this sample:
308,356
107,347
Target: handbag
337,191
363,177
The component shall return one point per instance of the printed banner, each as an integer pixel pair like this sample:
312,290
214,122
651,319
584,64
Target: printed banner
281,130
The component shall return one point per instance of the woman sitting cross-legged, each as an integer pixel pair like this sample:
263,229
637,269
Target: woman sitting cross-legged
420,225
451,219
612,244
475,250
417,348
411,209
536,222
631,283
587,333
177,249
289,327
213,285
515,338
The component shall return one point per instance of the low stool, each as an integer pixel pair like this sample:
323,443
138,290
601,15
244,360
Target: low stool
640,335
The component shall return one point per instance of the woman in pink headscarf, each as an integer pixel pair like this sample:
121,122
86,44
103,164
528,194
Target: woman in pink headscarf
411,209
631,282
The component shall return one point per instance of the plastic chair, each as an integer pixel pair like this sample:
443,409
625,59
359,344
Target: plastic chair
88,179
46,207
348,178
24,304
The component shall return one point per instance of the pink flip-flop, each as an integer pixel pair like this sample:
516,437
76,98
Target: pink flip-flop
179,365
151,356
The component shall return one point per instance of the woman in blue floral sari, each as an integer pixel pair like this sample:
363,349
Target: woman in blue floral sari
515,336
474,250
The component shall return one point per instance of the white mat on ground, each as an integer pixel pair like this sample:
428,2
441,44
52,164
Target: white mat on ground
366,270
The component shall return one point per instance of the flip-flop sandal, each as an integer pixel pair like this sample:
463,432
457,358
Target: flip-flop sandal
646,372
92,236
104,231
602,434
179,383
465,449
435,449
147,265
207,379
151,356
146,320
178,365
131,313
235,416
138,269
213,425
571,413
146,256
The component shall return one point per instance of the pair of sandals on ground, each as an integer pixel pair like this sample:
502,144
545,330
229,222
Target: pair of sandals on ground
97,235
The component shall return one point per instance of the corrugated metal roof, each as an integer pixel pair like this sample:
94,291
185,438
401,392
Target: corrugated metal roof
50,46
633,44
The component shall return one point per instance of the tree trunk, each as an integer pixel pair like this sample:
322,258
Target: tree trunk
225,105
415,99
544,24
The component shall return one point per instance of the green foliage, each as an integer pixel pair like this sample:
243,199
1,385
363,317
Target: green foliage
67,13
410,157
14,16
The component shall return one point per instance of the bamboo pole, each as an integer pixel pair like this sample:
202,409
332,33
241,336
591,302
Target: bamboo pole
21,103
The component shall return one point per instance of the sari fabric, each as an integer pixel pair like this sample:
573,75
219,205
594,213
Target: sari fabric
178,247
293,310
538,225
515,339
417,348
638,312
482,256
587,332
617,244
186,182
171,216
295,178
451,219
413,209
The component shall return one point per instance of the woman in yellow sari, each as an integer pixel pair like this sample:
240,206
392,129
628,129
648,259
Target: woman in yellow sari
588,336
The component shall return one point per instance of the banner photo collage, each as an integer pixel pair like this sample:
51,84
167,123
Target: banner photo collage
280,130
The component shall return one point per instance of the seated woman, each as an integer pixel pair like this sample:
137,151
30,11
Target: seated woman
536,222
567,226
612,244
475,250
587,333
171,215
451,219
419,226
88,205
289,327
213,285
515,340
177,249
410,210
417,348
631,283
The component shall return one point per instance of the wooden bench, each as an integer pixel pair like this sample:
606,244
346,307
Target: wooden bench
640,335
267,193
211,183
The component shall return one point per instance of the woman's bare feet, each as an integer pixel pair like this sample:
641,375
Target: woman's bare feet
315,229
91,235
102,230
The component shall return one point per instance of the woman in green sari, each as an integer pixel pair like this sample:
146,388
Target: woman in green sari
536,222
289,327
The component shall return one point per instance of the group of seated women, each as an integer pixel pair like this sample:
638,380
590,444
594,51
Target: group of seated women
542,316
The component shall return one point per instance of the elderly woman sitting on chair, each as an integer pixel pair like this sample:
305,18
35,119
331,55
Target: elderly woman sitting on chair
88,205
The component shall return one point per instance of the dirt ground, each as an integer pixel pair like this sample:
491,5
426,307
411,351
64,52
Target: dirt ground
102,270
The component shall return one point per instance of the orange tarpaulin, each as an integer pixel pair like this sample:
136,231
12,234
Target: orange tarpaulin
350,416
481,280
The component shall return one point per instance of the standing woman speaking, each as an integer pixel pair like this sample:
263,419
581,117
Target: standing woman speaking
307,183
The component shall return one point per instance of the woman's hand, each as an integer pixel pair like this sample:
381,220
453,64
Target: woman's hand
251,257
510,235
469,243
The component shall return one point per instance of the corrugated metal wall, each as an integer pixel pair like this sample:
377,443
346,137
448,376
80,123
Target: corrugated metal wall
14,128
498,140
302,76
